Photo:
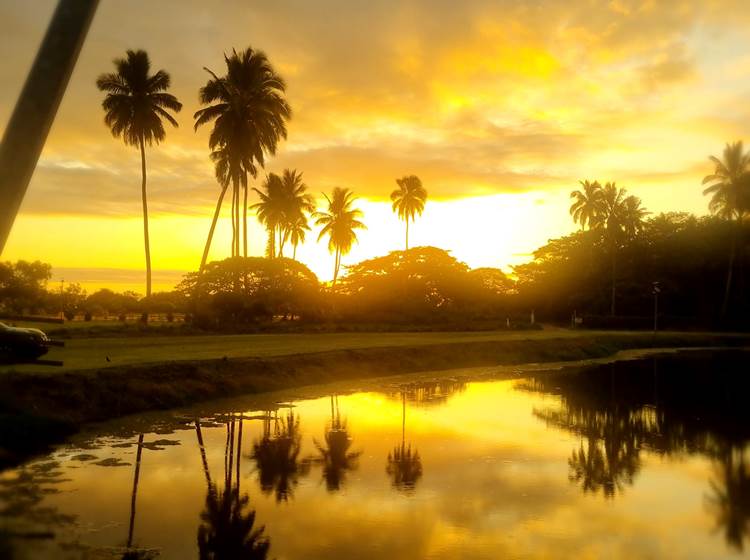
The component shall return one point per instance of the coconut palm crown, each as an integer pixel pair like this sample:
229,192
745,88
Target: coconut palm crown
340,222
408,200
249,112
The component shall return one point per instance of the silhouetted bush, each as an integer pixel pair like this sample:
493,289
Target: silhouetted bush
242,291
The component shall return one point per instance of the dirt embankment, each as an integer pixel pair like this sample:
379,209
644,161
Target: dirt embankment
37,409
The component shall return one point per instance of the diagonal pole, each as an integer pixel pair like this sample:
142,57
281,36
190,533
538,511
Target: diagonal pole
37,104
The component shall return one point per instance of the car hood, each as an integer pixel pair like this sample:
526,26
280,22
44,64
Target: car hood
34,332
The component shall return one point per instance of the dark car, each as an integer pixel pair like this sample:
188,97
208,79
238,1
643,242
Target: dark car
21,344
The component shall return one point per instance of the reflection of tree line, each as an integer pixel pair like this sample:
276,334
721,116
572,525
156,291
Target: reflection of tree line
667,406
433,392
227,527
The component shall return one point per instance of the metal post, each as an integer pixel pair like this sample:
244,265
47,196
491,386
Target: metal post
37,104
656,291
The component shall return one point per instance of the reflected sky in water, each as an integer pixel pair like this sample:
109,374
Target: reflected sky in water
636,459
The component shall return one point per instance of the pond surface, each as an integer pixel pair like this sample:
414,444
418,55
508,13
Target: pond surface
635,459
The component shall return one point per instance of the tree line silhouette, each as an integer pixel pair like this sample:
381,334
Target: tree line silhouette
249,111
612,263
667,406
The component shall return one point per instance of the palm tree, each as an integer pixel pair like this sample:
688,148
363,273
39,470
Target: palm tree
340,222
729,187
296,203
249,110
408,200
134,107
227,529
633,216
129,551
335,454
276,456
297,231
730,498
621,216
270,209
586,208
228,170
404,465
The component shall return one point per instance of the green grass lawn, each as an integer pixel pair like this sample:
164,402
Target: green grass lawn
85,353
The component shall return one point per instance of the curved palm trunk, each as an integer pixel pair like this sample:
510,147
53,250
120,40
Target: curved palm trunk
294,252
146,239
244,222
237,218
283,242
239,451
131,525
202,448
407,233
336,265
217,211
234,223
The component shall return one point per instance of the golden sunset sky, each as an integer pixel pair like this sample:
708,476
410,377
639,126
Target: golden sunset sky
499,107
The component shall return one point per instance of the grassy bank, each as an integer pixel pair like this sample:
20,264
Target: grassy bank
37,407
98,353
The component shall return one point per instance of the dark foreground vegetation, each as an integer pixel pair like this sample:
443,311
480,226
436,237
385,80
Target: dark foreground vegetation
38,409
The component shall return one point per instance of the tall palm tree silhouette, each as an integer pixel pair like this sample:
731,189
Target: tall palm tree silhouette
587,205
227,529
408,200
340,222
404,465
249,110
729,187
334,453
134,108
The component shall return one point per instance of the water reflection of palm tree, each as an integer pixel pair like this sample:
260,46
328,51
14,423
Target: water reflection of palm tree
130,553
276,456
730,498
607,463
227,529
335,454
404,465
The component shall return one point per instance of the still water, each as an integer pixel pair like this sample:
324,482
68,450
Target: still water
635,459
